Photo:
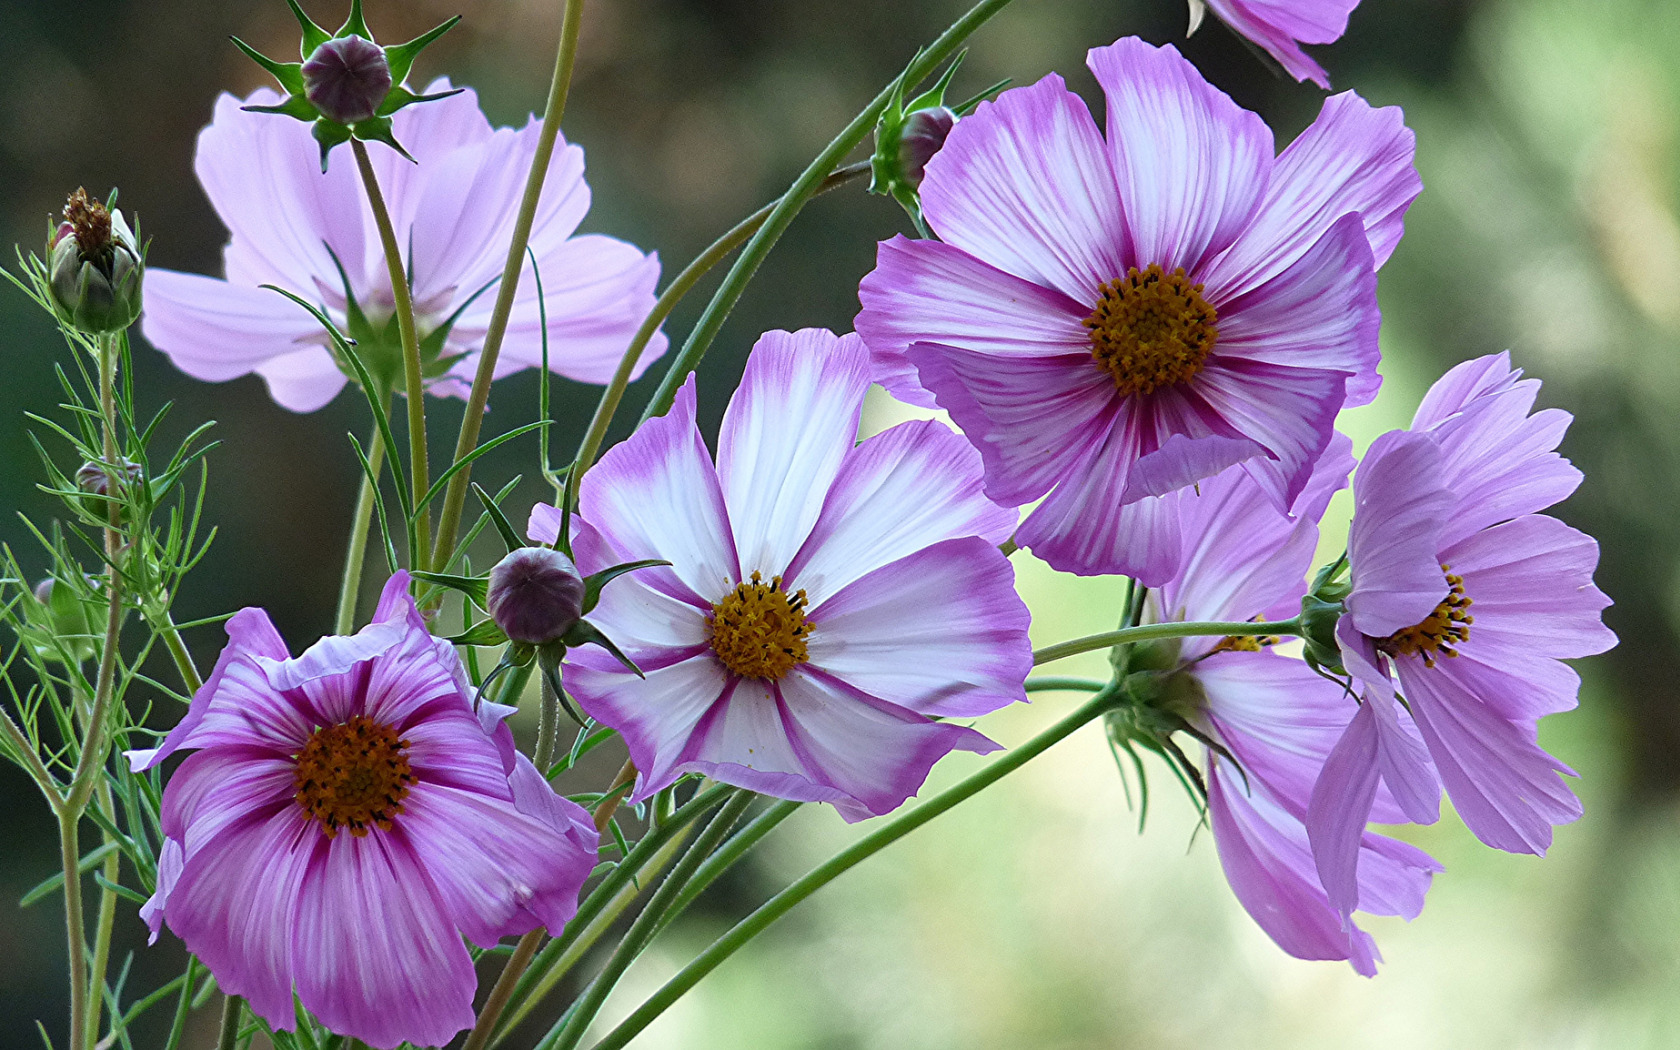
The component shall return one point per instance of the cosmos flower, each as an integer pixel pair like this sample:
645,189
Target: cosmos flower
1111,321
1469,600
1267,721
1282,26
347,816
826,602
312,233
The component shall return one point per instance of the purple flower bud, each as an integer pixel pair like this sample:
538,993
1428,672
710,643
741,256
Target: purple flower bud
923,135
94,266
347,78
535,595
93,479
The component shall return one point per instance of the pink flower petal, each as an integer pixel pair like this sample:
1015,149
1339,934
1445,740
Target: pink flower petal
499,872
657,717
1191,165
1352,159
1399,508
217,331
912,486
1027,188
940,632
1341,807
657,495
926,291
1281,26
788,426
376,955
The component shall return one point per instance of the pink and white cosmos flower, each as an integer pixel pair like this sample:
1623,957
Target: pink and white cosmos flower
1282,26
293,226
1274,717
1114,321
1464,603
827,603
346,817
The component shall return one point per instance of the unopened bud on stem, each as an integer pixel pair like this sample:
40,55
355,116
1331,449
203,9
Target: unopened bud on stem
347,78
535,595
94,266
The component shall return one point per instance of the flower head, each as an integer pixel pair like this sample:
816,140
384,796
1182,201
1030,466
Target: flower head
826,602
1113,321
1281,28
95,266
347,78
535,595
312,234
1266,720
1464,601
346,818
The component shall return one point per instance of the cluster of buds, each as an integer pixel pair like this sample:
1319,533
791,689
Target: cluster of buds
346,85
94,266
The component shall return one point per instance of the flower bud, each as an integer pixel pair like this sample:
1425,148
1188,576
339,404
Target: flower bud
922,136
94,267
93,479
347,79
535,595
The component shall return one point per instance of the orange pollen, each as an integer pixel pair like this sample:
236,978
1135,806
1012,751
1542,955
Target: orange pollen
1151,329
1440,631
759,630
353,775
1246,643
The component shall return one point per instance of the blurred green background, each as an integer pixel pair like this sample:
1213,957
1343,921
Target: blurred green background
1036,916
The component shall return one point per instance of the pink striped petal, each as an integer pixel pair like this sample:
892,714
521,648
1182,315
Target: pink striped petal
1400,506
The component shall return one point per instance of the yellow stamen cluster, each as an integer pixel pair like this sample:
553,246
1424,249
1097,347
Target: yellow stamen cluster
353,775
1246,643
758,630
1151,329
1440,631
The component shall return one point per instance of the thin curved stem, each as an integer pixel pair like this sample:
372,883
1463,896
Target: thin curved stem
178,652
105,921
232,1009
648,922
803,189
414,383
680,286
1051,684
1152,631
868,846
730,853
472,419
497,1001
70,855
350,585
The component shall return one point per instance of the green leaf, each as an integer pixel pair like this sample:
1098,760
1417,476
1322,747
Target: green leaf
378,129
53,883
585,633
313,35
356,24
484,633
329,133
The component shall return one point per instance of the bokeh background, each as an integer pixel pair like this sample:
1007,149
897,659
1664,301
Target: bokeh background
1037,915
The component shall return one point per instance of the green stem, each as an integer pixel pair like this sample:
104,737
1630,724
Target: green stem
414,384
673,294
730,853
232,1009
870,844
803,189
70,854
645,856
106,921
523,952
183,1005
1051,683
1152,631
30,760
178,652
455,496
648,922
532,992
350,586
548,726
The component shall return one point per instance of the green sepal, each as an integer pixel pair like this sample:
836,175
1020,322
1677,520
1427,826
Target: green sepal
378,129
483,633
585,633
593,583
296,106
398,97
289,74
329,133
400,57
475,587
1318,634
356,25
520,654
313,35
498,519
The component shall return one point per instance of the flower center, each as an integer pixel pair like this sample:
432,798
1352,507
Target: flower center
353,775
759,630
1440,631
1151,329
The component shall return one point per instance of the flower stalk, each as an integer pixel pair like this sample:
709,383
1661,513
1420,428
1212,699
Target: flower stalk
414,384
350,585
1150,632
472,419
